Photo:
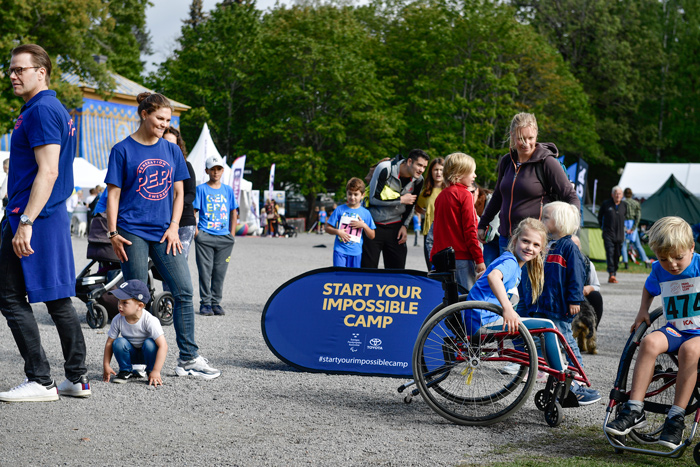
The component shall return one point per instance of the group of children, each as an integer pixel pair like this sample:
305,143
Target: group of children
142,340
553,288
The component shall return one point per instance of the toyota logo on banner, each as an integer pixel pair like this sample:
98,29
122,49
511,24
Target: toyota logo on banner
376,342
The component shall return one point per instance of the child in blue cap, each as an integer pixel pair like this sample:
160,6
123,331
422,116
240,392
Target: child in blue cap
142,341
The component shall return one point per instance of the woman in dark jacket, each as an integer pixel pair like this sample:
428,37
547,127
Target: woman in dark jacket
518,192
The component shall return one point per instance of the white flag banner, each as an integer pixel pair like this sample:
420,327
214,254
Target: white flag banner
237,175
272,178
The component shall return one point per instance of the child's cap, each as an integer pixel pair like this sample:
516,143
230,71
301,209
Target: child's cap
215,161
133,288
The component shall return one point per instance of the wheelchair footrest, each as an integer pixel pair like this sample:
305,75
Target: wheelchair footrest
569,401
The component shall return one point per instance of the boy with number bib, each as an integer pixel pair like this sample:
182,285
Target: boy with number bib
676,277
348,222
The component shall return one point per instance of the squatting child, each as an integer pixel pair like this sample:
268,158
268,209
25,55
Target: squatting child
218,216
564,277
499,285
142,340
455,219
348,222
674,277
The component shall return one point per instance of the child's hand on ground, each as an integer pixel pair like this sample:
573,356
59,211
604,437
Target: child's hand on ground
106,372
574,309
154,379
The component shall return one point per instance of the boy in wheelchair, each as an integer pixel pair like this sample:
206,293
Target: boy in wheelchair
675,277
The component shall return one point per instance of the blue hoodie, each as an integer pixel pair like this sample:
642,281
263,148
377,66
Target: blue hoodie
564,278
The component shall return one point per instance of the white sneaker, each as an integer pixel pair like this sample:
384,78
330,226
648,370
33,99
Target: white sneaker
30,391
510,369
140,369
79,389
198,367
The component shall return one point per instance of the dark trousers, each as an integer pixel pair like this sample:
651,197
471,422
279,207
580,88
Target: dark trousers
22,323
385,243
613,250
596,301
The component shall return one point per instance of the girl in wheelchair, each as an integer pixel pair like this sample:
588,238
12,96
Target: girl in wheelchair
675,276
499,285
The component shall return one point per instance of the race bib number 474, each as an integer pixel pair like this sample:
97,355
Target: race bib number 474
681,301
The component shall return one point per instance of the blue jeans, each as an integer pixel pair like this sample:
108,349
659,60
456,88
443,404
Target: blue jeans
492,250
176,274
465,273
638,245
126,354
564,327
503,244
547,342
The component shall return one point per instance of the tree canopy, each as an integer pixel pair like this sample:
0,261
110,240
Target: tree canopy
72,31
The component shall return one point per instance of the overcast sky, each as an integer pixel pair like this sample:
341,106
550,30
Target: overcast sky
164,20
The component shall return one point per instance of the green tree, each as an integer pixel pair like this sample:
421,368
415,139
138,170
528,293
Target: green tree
73,30
317,108
209,69
129,38
464,68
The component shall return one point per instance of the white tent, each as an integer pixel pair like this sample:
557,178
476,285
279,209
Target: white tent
645,178
3,155
248,205
86,175
199,154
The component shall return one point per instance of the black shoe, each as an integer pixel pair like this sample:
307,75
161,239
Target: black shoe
217,310
627,266
122,377
672,436
626,421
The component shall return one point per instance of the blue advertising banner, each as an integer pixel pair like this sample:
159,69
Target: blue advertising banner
350,321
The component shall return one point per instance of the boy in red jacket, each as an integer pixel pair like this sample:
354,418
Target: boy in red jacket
455,219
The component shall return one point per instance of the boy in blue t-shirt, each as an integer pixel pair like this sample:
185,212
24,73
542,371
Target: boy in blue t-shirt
322,216
218,216
675,277
348,222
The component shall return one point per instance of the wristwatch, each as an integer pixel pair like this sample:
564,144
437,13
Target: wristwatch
112,234
24,219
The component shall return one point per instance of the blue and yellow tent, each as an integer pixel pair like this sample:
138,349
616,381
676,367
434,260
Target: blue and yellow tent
101,124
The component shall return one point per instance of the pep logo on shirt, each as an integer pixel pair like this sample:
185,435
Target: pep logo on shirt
154,179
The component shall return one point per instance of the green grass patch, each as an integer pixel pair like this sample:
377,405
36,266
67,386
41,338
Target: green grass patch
575,447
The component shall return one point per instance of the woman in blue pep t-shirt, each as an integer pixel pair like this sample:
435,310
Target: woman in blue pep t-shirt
144,205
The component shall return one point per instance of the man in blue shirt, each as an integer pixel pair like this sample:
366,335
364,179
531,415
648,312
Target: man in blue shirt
36,254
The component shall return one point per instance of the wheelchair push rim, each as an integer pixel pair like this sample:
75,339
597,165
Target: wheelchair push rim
462,377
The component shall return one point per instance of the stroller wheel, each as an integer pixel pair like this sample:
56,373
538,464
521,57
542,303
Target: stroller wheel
163,307
96,316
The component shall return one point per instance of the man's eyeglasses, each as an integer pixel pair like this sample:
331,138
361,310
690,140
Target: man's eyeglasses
18,70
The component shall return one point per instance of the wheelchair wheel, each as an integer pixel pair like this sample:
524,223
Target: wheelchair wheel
554,415
96,316
162,308
463,378
660,394
696,454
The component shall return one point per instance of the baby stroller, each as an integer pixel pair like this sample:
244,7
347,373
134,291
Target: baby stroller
288,229
103,274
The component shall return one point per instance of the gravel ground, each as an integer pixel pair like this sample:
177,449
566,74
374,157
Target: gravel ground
261,411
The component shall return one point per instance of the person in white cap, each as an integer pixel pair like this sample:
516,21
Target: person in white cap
218,216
